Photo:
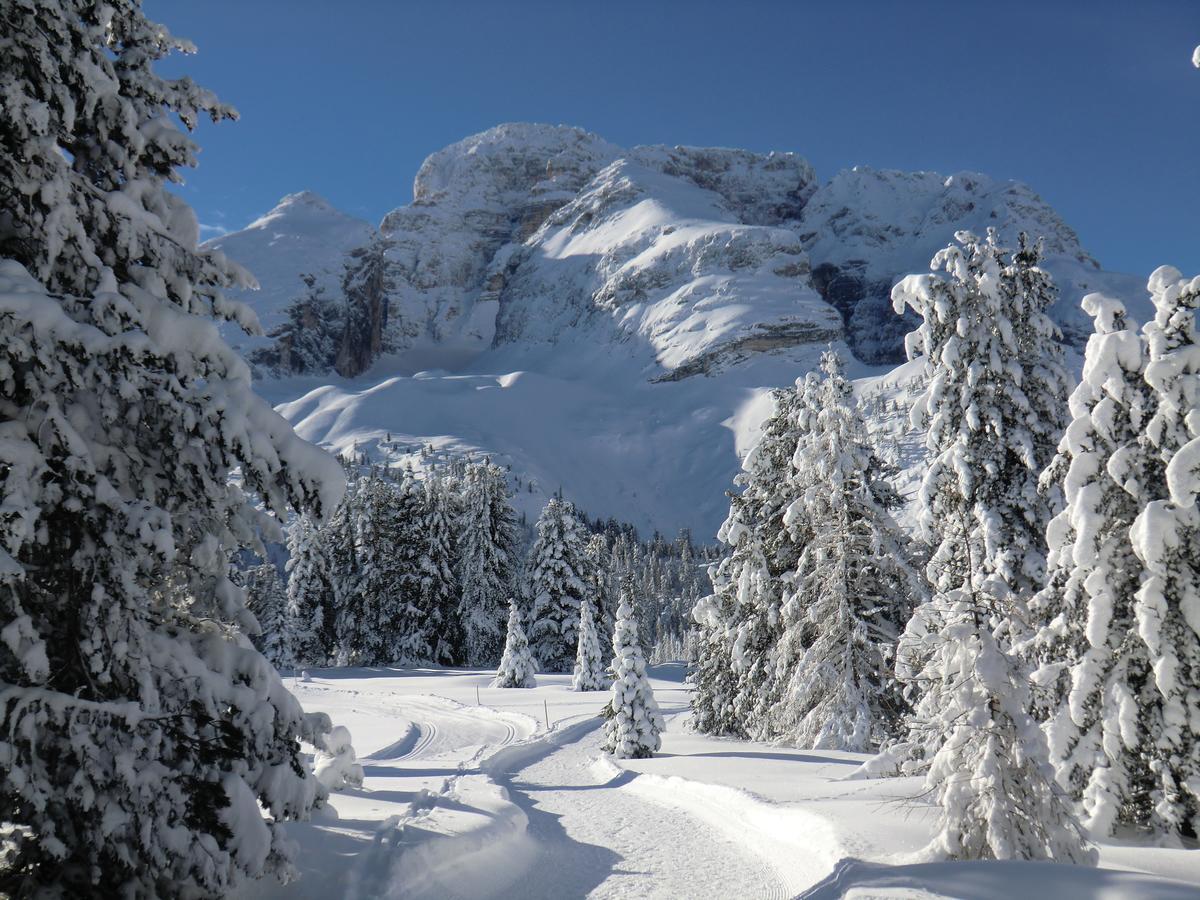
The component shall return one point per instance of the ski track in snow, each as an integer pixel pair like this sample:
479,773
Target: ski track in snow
597,840
468,798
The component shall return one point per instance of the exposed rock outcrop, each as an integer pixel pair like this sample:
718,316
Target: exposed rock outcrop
533,234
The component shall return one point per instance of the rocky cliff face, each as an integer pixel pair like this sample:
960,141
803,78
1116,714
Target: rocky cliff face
867,228
689,259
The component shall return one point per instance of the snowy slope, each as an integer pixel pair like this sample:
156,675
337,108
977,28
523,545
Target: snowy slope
608,321
303,234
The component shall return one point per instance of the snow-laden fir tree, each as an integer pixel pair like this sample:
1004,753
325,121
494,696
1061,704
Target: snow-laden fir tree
516,665
1166,538
412,613
267,600
853,588
439,589
308,341
311,611
146,748
734,685
557,569
336,764
991,778
1095,671
602,588
338,542
988,760
633,725
979,503
487,562
589,674
365,627
1045,381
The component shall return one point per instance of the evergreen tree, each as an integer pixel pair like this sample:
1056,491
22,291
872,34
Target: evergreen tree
601,588
146,749
589,664
310,597
1094,667
439,584
308,341
267,600
633,725
740,624
487,561
1044,383
365,630
384,621
419,575
516,665
1166,538
337,539
991,778
557,569
988,762
852,590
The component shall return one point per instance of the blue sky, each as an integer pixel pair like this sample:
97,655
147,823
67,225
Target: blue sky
1094,103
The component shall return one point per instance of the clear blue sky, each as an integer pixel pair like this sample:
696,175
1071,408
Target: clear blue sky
1094,102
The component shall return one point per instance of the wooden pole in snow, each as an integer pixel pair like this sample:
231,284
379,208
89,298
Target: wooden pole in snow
546,708
477,701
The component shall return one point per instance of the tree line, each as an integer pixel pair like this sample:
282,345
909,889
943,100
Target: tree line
420,569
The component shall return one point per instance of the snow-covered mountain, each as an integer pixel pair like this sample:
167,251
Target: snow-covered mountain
302,235
608,320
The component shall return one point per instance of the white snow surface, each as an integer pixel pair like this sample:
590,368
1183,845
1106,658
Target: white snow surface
467,798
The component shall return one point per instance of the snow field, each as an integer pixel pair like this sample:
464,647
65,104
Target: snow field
484,801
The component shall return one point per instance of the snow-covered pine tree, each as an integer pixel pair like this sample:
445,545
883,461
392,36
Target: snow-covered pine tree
988,760
311,613
1045,381
142,737
390,624
365,629
439,588
308,341
1166,538
733,679
980,507
487,562
589,674
853,588
516,665
602,589
338,542
557,567
267,600
633,725
1095,671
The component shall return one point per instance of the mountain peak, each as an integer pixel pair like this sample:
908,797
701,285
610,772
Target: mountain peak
304,198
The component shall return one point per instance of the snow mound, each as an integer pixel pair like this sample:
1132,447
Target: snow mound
478,847
854,879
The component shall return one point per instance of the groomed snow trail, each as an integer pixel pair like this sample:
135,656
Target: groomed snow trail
597,840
